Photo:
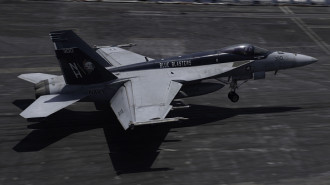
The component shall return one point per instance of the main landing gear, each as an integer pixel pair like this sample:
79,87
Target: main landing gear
232,94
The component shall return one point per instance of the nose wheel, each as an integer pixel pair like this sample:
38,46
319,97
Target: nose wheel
232,94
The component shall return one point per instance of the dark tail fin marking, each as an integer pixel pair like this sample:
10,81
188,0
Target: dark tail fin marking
80,64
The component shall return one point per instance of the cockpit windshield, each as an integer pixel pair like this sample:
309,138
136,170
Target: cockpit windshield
245,50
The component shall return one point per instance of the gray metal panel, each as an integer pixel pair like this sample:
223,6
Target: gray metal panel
152,97
120,105
120,57
35,77
48,104
139,101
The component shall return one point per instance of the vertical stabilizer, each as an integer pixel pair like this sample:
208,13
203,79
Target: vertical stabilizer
80,64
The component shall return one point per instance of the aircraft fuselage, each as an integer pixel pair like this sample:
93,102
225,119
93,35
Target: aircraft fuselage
189,70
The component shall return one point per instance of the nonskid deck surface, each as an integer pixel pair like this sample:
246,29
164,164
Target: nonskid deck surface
278,133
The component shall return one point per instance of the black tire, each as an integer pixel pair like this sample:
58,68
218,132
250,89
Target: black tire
233,96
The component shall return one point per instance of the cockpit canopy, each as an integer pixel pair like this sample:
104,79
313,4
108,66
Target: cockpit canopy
245,50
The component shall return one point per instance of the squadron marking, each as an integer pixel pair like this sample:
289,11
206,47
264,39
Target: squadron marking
75,70
182,63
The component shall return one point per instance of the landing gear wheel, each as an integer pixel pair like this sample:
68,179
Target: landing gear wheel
233,96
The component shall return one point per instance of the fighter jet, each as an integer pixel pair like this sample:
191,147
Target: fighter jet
139,89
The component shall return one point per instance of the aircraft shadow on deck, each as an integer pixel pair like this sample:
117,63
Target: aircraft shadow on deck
131,151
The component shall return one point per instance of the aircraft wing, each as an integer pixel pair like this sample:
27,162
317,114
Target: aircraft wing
121,57
48,104
144,101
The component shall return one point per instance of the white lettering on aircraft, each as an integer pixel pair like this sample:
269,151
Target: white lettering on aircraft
120,112
68,50
164,65
95,91
182,63
75,70
279,58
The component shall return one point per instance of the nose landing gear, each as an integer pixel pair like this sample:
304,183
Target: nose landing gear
232,94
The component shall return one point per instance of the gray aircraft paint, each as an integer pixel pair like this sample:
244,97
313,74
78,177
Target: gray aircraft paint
140,92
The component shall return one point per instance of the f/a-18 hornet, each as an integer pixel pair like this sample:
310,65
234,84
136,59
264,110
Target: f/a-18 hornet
139,89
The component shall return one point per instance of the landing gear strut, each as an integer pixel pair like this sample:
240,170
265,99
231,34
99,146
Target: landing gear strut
233,86
232,94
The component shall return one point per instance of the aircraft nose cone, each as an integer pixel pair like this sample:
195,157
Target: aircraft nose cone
302,60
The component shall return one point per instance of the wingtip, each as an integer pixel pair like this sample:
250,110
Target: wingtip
24,77
24,115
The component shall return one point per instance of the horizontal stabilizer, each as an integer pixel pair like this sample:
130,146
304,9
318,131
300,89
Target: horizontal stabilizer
35,77
48,104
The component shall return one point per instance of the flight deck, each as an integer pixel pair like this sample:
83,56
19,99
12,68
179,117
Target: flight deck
278,133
